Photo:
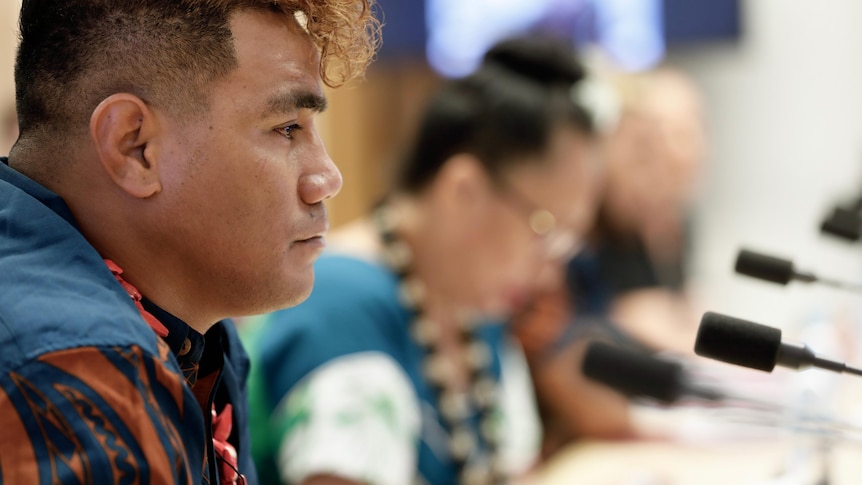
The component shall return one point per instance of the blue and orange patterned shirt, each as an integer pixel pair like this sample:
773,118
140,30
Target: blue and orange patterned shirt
89,393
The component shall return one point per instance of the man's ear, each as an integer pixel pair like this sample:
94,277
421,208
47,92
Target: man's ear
122,126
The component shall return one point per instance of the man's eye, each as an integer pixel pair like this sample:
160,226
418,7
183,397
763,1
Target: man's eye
289,131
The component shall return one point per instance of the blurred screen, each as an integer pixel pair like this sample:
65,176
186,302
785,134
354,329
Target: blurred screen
629,31
634,34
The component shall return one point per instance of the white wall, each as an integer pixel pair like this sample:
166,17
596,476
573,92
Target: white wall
8,43
785,117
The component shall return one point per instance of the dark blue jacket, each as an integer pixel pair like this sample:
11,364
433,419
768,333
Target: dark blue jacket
88,392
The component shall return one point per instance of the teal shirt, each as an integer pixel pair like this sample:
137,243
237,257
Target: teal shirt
353,308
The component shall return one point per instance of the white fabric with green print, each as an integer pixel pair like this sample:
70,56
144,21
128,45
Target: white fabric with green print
358,417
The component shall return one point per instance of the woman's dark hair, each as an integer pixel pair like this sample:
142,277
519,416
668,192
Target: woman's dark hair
503,113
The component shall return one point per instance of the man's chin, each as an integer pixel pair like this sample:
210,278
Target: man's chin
297,294
269,301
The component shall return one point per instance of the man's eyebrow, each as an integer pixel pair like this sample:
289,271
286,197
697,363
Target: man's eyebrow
295,100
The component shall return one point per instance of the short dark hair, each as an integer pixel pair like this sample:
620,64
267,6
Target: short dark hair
504,113
75,53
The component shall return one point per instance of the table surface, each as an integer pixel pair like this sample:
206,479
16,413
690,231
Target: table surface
749,462
709,446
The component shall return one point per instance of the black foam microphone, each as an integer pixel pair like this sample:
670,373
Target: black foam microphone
843,222
781,271
641,375
748,344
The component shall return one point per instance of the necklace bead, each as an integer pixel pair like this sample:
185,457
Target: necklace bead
424,331
485,391
454,406
457,408
439,370
397,255
412,292
476,475
479,354
462,443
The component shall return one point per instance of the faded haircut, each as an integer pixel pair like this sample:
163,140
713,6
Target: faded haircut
75,53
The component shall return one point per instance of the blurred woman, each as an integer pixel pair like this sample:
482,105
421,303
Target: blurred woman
398,368
628,285
634,269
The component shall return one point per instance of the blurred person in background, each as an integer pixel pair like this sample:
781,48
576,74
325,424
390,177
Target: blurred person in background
399,367
634,268
628,285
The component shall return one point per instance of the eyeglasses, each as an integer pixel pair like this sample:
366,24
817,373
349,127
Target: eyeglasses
558,243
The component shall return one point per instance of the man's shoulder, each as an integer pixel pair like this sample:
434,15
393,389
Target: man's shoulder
42,326
55,291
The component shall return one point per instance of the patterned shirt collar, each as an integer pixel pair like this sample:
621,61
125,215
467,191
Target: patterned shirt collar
186,343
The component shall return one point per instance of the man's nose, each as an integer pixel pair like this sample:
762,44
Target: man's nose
322,181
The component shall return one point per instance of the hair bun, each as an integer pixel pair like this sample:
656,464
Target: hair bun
544,60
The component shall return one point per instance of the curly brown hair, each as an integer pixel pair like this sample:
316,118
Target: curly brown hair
346,32
75,53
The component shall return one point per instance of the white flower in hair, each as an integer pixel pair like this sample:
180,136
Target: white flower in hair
600,101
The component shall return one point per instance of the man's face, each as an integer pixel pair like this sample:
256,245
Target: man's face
244,183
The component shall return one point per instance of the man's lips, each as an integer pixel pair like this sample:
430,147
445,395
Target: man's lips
316,236
310,239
